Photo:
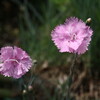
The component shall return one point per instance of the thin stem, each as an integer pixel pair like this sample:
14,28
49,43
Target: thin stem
70,80
32,73
73,65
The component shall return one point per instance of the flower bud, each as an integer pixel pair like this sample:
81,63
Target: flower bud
30,88
34,62
88,21
24,91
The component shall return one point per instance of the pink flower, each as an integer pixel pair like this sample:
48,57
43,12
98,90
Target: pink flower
73,36
14,62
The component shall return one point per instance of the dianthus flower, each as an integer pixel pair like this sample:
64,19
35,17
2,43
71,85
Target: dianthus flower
73,36
14,62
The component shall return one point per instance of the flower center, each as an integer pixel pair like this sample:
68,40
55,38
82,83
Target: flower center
73,36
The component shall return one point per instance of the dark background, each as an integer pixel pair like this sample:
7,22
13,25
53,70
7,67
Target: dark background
28,24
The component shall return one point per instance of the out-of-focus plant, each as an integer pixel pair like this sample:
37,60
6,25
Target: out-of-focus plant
37,18
35,26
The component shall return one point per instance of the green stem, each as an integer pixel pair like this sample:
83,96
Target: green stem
71,74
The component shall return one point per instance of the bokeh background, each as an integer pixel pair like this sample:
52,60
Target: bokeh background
28,24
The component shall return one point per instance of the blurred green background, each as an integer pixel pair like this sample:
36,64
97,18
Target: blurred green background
28,24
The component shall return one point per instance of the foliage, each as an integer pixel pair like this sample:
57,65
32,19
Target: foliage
38,19
35,31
